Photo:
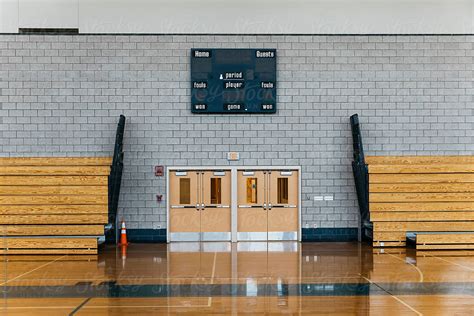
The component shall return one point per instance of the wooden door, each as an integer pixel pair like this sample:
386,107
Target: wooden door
215,205
185,217
283,205
251,205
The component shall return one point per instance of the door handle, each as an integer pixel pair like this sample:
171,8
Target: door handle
216,206
182,206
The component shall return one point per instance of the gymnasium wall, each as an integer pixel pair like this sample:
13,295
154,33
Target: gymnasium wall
62,95
242,16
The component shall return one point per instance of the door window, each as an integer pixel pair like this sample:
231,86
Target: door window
184,191
251,190
216,191
282,186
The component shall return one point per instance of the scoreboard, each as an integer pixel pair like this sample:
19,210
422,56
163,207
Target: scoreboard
233,81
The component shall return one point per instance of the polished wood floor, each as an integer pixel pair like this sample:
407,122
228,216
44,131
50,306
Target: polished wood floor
244,278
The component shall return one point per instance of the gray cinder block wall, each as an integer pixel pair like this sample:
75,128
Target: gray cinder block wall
62,95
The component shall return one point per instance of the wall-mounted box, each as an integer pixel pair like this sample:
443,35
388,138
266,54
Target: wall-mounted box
233,156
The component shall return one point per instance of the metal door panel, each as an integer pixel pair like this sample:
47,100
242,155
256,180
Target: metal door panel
215,236
252,236
290,235
185,236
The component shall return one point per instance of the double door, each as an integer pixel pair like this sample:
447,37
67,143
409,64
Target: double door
267,205
200,206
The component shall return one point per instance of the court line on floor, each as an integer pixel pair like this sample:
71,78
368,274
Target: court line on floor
414,266
39,307
393,296
146,306
214,268
80,306
35,269
457,264
99,306
209,299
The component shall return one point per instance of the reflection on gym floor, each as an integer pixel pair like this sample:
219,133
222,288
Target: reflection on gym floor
250,277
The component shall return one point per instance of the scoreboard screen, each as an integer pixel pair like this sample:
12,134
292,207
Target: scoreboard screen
233,81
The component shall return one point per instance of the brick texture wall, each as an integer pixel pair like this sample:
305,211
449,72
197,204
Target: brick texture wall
62,95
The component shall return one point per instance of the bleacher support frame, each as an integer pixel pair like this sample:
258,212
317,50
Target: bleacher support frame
115,180
361,177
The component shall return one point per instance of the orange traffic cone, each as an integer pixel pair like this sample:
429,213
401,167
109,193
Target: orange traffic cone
123,235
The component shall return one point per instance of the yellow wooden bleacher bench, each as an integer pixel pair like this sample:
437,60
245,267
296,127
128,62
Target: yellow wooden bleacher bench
429,196
53,205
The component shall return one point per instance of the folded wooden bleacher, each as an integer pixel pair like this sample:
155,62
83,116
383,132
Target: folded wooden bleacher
428,197
53,205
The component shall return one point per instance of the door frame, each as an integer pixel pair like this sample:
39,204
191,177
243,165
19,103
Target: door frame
233,190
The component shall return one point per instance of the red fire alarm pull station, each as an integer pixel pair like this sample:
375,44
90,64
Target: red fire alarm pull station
159,171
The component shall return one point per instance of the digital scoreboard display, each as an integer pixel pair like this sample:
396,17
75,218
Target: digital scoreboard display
233,81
